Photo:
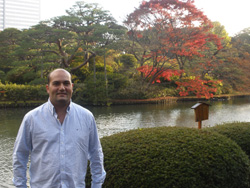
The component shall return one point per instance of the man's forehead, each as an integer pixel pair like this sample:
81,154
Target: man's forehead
58,80
60,74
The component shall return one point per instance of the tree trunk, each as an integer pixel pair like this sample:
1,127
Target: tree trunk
105,74
94,78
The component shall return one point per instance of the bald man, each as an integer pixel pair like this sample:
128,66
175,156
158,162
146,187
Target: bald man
60,137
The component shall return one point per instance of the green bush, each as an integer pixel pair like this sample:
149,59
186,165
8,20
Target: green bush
172,157
15,92
128,60
94,92
237,131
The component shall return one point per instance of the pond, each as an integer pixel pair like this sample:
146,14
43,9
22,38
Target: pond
114,119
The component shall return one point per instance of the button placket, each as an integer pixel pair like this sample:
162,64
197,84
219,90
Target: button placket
62,153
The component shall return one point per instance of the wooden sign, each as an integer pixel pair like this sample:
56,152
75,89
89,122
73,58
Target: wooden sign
201,110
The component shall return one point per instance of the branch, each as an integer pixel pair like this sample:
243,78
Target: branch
51,51
84,63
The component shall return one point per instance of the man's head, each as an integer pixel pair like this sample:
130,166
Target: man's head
59,87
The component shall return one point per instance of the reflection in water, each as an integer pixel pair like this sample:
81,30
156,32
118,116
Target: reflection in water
9,124
111,120
121,118
6,145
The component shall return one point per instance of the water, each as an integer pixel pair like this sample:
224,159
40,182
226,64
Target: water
114,119
9,124
121,118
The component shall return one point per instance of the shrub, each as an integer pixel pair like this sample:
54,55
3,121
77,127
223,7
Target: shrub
237,131
174,157
15,92
94,92
128,60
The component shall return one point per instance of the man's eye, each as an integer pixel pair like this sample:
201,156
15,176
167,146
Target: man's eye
56,83
66,83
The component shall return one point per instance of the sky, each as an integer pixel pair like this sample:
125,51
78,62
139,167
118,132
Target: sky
234,15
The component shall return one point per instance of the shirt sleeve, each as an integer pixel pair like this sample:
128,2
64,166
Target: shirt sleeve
21,151
96,158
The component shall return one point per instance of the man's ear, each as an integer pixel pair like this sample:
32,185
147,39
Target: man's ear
72,86
47,88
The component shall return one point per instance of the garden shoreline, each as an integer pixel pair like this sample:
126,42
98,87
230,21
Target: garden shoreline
160,100
163,100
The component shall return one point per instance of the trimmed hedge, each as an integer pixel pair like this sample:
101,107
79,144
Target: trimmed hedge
31,94
15,92
237,131
174,157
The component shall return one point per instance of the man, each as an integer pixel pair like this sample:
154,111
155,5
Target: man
60,137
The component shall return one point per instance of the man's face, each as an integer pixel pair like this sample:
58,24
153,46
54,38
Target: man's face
60,88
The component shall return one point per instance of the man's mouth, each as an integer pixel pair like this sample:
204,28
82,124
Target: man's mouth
61,94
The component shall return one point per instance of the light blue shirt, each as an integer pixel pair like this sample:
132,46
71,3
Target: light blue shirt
59,153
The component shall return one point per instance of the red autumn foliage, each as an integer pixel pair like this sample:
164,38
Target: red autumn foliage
173,29
166,74
194,86
198,87
180,29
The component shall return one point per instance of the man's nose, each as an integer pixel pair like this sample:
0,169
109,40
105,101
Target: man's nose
61,87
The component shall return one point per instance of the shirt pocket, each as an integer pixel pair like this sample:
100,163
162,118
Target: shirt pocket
81,138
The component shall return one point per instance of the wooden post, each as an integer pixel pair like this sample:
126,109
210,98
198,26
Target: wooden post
199,124
201,112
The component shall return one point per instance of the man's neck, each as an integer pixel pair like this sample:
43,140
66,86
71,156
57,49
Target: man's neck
61,111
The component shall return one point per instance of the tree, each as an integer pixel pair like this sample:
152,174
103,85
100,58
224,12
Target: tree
68,41
243,39
238,63
198,87
9,41
127,63
171,29
215,57
93,28
170,32
163,75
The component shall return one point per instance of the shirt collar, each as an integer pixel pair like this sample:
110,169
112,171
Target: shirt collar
53,110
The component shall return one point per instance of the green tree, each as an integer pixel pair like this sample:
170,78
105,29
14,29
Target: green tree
9,41
128,61
93,28
212,58
68,41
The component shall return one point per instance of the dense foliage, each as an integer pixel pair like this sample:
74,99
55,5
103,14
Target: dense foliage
14,92
237,131
174,157
169,47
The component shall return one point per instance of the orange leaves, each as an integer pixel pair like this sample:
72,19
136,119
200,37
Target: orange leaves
174,29
188,86
139,35
198,87
158,74
179,26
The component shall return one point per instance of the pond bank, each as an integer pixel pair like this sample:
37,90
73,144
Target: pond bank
163,100
20,104
160,100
